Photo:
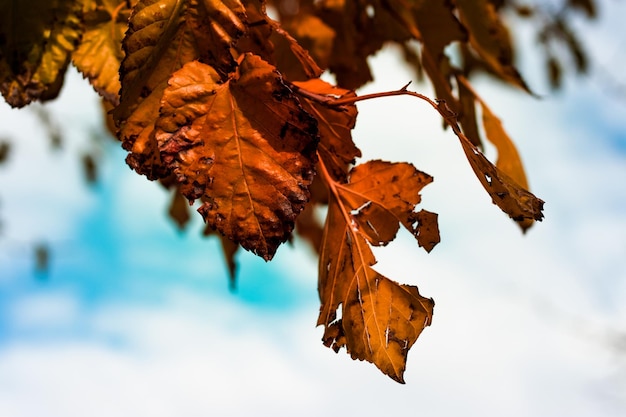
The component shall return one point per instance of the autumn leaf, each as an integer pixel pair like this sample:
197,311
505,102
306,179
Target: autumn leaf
361,28
439,28
244,145
516,201
179,210
490,39
37,39
506,181
100,54
314,35
467,114
163,35
335,124
380,319
229,250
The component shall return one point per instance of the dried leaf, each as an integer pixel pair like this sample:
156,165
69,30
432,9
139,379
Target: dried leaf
229,250
5,150
37,39
427,227
467,114
314,35
244,145
490,39
100,54
508,160
439,27
179,210
380,319
335,124
361,28
520,204
163,35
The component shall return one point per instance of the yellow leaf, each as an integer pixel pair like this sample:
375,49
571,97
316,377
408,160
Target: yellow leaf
100,54
508,160
37,39
244,145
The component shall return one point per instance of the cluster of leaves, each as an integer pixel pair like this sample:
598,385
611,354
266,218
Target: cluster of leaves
224,104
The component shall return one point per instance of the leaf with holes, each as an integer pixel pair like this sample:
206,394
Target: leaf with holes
380,319
490,39
244,146
163,35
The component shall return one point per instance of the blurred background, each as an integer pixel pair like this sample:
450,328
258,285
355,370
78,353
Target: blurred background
107,309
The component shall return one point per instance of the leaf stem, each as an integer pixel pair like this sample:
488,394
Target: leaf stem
449,116
333,187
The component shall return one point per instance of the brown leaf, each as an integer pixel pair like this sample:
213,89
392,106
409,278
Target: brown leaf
292,59
163,35
37,39
100,54
467,114
361,28
335,124
380,319
5,150
382,195
427,229
229,250
516,201
490,39
508,160
314,35
439,27
245,145
179,210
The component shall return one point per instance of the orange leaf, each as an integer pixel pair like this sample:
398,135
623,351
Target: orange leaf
336,146
508,160
163,35
380,319
516,201
245,146
100,54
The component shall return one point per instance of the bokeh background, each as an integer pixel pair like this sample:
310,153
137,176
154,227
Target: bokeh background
129,316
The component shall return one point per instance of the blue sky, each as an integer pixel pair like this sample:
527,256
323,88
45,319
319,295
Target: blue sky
135,318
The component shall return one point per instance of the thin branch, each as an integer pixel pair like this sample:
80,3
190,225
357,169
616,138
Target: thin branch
449,116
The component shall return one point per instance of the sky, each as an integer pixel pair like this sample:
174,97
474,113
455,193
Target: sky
134,318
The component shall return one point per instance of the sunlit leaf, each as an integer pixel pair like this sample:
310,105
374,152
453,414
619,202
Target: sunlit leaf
245,145
163,35
516,201
335,124
100,54
380,319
